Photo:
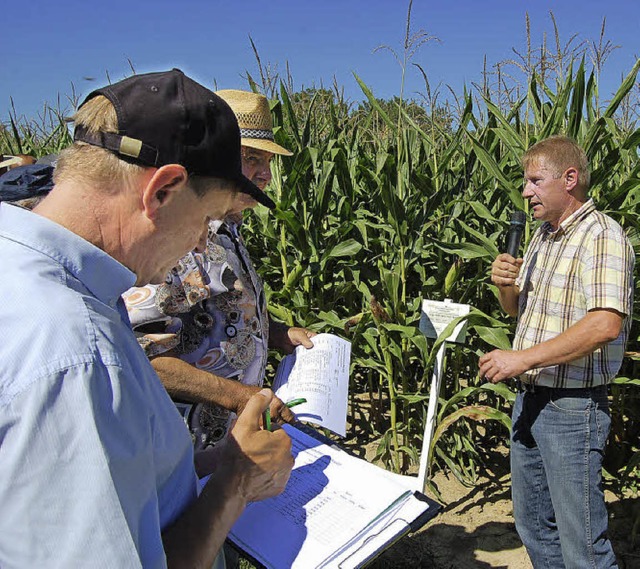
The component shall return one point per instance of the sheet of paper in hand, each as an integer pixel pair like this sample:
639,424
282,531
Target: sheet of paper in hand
321,376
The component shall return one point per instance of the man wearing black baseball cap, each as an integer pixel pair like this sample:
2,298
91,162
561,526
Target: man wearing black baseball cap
96,465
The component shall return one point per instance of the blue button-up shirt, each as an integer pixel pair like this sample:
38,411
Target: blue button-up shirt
95,460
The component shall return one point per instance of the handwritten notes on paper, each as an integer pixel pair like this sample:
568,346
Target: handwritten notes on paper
320,375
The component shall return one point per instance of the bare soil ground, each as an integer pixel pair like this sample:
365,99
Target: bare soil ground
475,530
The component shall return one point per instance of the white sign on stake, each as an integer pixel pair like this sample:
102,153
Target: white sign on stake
437,315
434,319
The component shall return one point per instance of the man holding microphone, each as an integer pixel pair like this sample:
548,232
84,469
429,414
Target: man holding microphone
573,297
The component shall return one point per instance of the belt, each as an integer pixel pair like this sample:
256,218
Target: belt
524,387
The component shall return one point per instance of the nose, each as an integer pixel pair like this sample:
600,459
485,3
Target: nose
527,192
265,174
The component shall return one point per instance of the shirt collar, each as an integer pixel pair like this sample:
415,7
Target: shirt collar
100,273
230,226
569,224
215,224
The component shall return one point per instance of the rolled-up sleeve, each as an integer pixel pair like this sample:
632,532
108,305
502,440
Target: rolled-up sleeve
608,272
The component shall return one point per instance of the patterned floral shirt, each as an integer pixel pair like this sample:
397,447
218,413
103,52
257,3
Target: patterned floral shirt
587,263
211,312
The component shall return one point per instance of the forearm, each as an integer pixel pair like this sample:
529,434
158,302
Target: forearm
188,383
596,329
508,297
252,464
199,534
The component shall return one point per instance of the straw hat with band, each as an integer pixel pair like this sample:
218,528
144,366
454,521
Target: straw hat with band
254,119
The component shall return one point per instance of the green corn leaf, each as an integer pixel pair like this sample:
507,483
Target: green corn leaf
632,142
495,172
500,389
495,337
626,381
375,104
464,250
347,248
291,115
577,103
623,91
488,244
474,413
506,132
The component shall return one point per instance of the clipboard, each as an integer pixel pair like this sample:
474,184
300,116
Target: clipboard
372,511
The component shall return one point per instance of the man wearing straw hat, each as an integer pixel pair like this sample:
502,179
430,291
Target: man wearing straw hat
207,328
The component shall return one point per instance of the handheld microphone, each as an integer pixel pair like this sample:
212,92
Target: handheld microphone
514,235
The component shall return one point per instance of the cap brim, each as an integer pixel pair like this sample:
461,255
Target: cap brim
246,186
11,161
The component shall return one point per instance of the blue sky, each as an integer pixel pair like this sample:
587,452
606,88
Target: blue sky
50,48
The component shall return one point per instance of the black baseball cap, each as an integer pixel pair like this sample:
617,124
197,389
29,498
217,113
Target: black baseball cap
168,118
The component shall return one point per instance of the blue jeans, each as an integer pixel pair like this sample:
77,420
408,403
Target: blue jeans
557,445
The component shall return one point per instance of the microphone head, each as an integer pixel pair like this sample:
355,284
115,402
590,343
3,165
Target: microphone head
518,217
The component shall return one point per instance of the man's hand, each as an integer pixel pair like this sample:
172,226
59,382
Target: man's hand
250,464
262,458
279,411
597,328
505,269
286,339
297,337
498,365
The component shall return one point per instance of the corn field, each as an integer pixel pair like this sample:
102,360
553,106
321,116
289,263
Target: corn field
393,202
377,212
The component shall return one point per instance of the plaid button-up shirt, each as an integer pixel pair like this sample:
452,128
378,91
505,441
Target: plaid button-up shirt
587,263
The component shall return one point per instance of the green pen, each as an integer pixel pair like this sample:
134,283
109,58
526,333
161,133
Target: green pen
266,418
295,402
266,423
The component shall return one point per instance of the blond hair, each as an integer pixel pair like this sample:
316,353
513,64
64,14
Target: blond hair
92,164
560,153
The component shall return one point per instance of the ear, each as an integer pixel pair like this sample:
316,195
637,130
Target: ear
571,179
162,187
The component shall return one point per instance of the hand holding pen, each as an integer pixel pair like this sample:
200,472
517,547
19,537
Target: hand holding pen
266,418
260,460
